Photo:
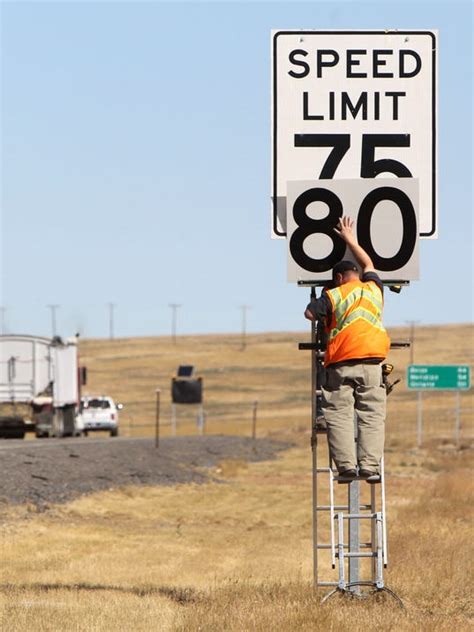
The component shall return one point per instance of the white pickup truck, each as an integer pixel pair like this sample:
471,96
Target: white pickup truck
99,413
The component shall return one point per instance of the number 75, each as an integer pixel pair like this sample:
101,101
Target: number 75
369,167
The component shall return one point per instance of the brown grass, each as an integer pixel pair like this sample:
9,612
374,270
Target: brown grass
236,555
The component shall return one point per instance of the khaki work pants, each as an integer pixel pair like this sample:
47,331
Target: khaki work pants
356,387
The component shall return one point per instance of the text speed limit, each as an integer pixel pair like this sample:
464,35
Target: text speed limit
385,214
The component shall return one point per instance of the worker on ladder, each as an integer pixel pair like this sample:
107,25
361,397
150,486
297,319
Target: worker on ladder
357,344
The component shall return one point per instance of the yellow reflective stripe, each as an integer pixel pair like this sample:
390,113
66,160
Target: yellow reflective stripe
336,298
376,296
345,303
342,305
359,313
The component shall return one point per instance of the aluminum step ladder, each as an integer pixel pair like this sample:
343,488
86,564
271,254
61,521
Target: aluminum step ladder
344,526
344,542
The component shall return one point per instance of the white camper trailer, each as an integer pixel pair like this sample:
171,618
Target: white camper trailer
39,386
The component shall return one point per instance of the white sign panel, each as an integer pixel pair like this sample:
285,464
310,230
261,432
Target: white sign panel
355,104
385,223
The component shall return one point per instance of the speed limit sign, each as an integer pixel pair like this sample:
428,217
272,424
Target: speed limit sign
355,105
385,214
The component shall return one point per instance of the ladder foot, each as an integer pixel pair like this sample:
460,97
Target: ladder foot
347,592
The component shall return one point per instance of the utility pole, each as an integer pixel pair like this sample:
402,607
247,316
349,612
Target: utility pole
412,324
244,309
3,309
174,319
53,309
111,320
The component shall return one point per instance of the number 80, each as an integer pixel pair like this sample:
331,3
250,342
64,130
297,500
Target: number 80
307,226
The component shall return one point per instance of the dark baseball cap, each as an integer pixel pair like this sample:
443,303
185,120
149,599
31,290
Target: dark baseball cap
344,266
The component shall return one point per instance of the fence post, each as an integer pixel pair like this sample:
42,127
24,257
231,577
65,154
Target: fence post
201,420
173,420
457,426
157,419
419,419
254,419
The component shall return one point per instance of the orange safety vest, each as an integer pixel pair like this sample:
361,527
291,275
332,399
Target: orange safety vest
356,329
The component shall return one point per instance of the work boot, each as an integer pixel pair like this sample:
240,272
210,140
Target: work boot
346,476
369,476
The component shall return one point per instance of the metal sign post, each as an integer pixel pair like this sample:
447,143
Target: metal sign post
314,442
419,420
353,501
457,425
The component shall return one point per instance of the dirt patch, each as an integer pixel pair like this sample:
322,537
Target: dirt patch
55,471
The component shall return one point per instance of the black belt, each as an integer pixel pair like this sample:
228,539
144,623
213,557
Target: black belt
355,361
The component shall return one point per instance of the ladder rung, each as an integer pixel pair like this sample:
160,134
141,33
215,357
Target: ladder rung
367,582
322,470
358,516
362,545
339,507
355,554
335,507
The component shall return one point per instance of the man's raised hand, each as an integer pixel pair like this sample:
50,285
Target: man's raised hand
344,228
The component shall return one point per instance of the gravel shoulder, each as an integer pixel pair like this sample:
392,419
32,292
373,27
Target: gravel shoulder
57,471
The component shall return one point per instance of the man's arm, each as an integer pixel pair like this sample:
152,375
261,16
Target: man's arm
318,309
345,232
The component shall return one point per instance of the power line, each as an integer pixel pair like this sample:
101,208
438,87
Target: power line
244,309
53,309
111,320
412,324
174,319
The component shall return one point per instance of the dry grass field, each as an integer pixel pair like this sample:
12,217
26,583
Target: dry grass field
271,371
235,554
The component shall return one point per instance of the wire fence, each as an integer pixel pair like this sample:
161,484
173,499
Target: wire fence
434,418
445,419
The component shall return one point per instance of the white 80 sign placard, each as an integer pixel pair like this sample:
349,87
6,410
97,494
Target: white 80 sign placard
385,224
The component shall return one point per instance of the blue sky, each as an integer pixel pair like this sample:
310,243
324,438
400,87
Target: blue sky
136,164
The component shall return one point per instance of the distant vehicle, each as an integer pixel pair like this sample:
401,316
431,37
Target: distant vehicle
40,384
99,413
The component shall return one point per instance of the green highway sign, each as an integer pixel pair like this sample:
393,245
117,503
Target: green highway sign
423,377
